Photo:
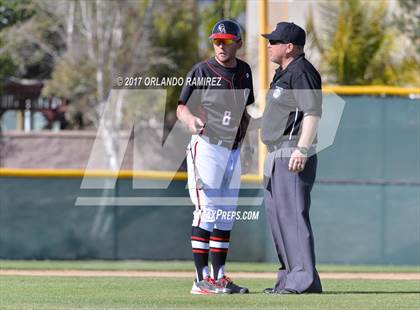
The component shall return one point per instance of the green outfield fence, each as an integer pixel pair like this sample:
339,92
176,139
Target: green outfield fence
365,204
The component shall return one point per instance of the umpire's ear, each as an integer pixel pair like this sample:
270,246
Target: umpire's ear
239,44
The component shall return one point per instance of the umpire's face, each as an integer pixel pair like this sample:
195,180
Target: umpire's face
225,49
278,51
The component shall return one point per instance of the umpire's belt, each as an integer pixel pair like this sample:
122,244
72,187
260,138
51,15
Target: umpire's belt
281,145
223,143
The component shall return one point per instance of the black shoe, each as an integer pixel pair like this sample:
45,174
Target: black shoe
234,289
286,291
269,290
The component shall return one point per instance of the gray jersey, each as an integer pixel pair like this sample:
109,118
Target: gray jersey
223,106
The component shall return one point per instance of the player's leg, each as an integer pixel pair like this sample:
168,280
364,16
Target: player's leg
219,247
203,221
199,236
220,236
226,205
200,249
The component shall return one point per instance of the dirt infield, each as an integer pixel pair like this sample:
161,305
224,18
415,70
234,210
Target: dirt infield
184,274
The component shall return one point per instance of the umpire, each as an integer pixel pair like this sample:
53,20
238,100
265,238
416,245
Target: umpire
289,125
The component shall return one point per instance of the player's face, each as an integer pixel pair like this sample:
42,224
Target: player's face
225,49
278,51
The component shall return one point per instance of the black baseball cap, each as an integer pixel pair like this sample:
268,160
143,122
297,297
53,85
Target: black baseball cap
226,29
287,33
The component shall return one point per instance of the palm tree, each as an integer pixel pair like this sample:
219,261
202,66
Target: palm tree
357,43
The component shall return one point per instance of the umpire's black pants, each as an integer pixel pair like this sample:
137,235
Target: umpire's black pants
287,202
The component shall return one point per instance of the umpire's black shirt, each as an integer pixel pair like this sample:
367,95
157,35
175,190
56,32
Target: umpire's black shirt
294,93
221,106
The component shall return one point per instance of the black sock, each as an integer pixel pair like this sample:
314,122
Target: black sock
200,248
219,246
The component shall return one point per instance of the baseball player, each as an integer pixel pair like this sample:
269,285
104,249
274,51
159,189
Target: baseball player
215,113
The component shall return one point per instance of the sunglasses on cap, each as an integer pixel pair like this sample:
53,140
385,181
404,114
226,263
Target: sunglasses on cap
224,41
276,42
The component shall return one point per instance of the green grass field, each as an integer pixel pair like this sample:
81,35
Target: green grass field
34,292
184,266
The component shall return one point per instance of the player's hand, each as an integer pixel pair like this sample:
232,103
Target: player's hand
195,125
297,161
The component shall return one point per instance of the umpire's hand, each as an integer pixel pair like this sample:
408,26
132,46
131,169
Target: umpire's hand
297,161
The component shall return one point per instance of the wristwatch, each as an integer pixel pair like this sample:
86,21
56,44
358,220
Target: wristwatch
303,150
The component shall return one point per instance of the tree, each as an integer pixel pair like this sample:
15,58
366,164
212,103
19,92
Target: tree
100,47
11,12
176,35
140,38
357,44
407,19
